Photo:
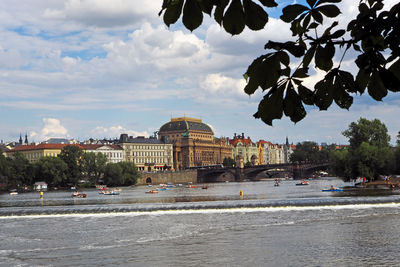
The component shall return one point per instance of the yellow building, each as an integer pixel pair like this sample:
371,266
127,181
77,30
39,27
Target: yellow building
194,143
35,152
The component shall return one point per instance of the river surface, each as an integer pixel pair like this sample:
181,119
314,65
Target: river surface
287,225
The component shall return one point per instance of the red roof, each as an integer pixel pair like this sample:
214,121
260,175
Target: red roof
245,141
42,146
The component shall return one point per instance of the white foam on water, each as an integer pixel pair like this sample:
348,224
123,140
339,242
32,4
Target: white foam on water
204,210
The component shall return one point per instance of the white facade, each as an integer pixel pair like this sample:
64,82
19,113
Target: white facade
114,153
148,154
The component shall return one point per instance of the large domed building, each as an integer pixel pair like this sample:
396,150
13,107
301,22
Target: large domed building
194,143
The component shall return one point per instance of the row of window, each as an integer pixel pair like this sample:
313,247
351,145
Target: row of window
133,147
151,160
145,153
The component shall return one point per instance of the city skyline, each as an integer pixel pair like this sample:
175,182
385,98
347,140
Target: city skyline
81,69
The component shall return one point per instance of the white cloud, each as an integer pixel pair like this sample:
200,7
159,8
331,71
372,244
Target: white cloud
105,13
115,131
52,129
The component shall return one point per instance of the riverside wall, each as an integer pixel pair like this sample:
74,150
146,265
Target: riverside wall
177,177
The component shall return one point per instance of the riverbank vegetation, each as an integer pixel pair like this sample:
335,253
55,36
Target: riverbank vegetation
369,154
72,167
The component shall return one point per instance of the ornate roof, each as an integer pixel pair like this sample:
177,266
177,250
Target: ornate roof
186,124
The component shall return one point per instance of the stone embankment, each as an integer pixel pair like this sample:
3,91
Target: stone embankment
177,177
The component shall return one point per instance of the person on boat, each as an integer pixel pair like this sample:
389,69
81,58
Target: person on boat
333,188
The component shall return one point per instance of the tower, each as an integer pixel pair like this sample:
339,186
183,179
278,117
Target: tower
20,139
26,139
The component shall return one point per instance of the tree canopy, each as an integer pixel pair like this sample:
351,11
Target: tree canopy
369,154
373,36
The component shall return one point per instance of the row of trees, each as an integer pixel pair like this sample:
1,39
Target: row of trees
71,167
368,155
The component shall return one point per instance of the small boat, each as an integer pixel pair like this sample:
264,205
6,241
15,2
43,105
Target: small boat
13,193
190,186
113,193
332,190
151,192
204,187
303,183
78,194
163,189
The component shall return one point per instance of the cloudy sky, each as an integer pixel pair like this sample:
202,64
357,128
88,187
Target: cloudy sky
99,68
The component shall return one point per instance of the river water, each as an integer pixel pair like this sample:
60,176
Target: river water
287,225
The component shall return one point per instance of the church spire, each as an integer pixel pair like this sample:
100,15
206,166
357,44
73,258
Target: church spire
20,139
26,138
287,141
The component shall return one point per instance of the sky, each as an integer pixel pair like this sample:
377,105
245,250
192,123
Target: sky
97,68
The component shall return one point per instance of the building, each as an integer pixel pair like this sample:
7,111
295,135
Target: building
4,149
148,154
270,153
194,143
114,153
288,150
34,152
244,149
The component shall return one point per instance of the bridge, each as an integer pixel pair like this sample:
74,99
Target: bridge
258,172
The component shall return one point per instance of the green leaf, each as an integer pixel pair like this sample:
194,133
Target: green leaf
219,11
317,16
291,12
301,73
255,16
390,81
362,80
395,68
233,21
292,105
323,57
251,86
337,34
271,107
206,6
376,88
309,56
323,95
341,97
347,80
192,15
173,12
311,3
295,50
269,3
307,96
330,11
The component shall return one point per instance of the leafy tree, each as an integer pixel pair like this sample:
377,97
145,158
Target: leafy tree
20,172
229,162
52,170
373,36
397,155
305,151
129,173
113,174
94,166
73,157
369,154
373,132
339,164
4,170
